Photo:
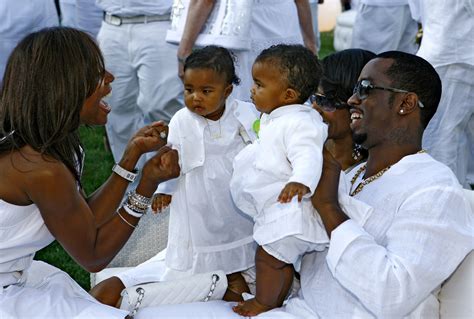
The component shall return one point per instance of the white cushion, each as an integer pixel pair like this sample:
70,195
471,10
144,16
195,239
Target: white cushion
457,293
148,239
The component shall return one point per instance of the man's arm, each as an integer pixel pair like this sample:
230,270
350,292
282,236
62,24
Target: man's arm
306,25
393,273
198,12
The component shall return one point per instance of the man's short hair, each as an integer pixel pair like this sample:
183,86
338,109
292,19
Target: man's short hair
414,74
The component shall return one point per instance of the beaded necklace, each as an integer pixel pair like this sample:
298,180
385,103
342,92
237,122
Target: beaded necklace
370,179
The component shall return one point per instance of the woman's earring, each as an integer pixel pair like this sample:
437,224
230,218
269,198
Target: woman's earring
401,111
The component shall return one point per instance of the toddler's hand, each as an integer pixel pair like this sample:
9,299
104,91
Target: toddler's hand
290,190
160,202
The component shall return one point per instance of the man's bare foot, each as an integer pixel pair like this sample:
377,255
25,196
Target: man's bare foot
250,308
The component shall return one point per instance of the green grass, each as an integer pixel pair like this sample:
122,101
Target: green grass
97,168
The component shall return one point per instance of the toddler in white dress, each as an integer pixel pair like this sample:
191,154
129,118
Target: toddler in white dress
275,176
207,231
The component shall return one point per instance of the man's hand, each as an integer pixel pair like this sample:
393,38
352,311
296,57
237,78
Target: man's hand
290,190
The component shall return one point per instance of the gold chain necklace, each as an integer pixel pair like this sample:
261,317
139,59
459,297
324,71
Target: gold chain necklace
370,179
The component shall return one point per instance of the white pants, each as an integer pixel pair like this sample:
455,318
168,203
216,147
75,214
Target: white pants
68,13
384,28
19,18
273,22
88,17
146,87
449,137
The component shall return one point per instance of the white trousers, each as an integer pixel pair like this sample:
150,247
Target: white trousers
384,28
146,87
68,13
88,17
19,18
449,137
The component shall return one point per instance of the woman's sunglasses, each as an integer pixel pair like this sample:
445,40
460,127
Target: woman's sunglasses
363,87
326,103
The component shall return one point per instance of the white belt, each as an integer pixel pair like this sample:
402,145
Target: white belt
117,20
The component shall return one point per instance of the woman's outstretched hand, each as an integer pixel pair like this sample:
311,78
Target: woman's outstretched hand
149,138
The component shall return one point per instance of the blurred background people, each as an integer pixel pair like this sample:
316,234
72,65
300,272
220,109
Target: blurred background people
146,86
448,44
19,18
384,25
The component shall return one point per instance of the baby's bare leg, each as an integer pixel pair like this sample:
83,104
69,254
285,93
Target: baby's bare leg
274,279
236,286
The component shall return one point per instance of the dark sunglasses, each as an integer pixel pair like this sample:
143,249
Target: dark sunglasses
363,87
326,103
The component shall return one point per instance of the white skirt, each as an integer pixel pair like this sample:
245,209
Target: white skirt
51,293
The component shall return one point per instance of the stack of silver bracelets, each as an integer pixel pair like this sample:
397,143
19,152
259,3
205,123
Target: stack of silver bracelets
136,205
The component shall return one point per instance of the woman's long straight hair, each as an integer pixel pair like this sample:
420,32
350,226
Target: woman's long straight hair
47,79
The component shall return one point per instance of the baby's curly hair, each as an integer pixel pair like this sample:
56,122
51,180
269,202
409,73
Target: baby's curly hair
298,65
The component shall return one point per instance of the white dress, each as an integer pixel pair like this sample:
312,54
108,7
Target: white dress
289,149
207,231
34,289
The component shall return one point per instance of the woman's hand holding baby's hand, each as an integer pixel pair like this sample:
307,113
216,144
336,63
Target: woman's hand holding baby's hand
149,138
290,190
160,202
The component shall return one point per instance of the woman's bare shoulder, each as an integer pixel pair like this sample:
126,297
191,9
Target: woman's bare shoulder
24,170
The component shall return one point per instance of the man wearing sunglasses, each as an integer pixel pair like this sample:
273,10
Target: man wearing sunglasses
419,228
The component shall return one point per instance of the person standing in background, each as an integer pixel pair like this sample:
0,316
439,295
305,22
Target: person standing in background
88,17
20,17
272,22
384,25
146,86
448,44
314,15
68,13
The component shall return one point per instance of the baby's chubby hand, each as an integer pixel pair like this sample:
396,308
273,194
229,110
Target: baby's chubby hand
290,190
160,202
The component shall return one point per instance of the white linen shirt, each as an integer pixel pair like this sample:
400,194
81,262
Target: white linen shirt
420,229
289,149
207,231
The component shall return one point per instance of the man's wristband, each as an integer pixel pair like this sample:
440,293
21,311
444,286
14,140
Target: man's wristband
122,172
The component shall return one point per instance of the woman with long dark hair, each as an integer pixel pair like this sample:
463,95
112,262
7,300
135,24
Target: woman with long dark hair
55,81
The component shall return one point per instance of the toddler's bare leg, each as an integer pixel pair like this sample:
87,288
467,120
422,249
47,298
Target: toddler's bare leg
274,279
236,286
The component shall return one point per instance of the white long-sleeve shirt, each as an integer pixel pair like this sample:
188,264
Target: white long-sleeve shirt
289,149
420,229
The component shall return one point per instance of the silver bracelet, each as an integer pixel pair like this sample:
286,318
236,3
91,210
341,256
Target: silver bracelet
122,172
131,212
138,203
